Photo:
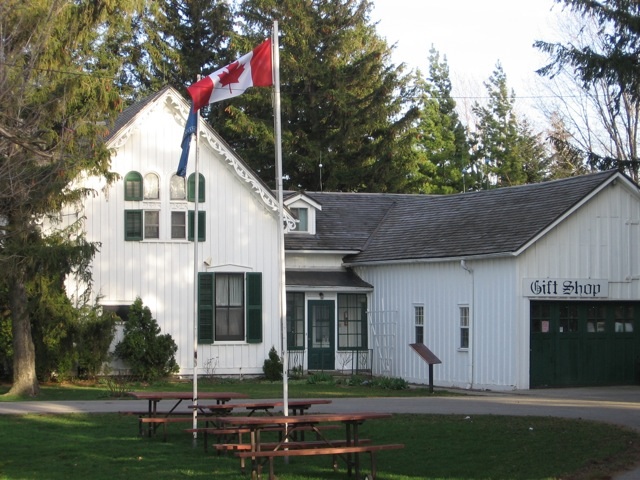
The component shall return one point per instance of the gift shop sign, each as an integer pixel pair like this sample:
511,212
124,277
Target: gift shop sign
565,287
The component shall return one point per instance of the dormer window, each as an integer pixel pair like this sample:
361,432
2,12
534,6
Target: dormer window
305,210
302,215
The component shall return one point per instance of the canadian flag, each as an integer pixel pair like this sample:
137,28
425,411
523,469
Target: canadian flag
252,70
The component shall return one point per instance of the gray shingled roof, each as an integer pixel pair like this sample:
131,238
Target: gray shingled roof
325,279
387,227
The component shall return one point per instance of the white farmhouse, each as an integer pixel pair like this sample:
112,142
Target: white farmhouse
513,288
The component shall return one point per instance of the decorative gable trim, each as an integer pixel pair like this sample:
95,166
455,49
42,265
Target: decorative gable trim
179,108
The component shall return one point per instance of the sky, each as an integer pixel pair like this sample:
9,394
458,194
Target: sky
473,35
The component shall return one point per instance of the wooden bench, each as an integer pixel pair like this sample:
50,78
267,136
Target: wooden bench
313,451
238,447
155,421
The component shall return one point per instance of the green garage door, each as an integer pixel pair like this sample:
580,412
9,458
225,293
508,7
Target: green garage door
584,343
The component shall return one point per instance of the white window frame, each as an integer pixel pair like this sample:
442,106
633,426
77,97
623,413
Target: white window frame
418,322
464,323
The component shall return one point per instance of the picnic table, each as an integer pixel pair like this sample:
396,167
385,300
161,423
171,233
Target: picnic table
152,417
214,411
349,448
297,407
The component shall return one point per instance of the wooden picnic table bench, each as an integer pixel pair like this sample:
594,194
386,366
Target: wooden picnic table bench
153,398
349,452
336,451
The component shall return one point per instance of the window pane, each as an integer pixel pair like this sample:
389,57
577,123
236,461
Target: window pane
302,215
229,306
464,327
464,338
177,188
178,225
152,224
295,320
352,321
151,186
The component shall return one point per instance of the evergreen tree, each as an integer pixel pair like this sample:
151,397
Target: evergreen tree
506,151
56,96
442,137
343,102
617,63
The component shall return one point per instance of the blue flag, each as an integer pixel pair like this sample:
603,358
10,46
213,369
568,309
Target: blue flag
189,129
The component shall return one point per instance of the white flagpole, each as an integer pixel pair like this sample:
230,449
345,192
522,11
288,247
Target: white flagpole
195,276
282,283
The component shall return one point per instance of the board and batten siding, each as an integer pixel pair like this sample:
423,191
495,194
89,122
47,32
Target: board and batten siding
241,236
601,240
442,288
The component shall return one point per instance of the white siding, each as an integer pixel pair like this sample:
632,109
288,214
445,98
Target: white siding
599,240
241,235
442,288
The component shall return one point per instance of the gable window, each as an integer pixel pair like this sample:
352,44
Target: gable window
418,320
133,186
141,224
179,225
151,224
295,321
464,326
191,188
229,307
352,321
302,215
151,186
177,188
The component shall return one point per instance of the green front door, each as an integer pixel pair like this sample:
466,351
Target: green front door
321,339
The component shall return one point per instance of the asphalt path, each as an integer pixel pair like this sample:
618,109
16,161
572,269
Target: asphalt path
615,405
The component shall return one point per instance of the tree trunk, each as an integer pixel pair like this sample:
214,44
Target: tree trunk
25,382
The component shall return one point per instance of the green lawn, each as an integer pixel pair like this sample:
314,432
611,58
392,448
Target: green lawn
106,446
483,447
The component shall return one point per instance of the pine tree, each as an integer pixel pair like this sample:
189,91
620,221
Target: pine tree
617,63
442,137
56,98
506,151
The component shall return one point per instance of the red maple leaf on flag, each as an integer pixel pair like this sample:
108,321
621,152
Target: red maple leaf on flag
231,75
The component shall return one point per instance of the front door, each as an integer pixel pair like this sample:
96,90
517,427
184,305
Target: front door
321,335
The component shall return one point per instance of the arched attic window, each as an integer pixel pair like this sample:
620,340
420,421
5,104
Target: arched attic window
151,186
133,186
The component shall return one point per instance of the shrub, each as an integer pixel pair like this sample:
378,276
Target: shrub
149,354
94,333
390,383
320,378
272,367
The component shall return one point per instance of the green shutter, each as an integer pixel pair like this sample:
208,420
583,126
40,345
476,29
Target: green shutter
206,307
254,307
191,188
133,225
133,186
202,224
